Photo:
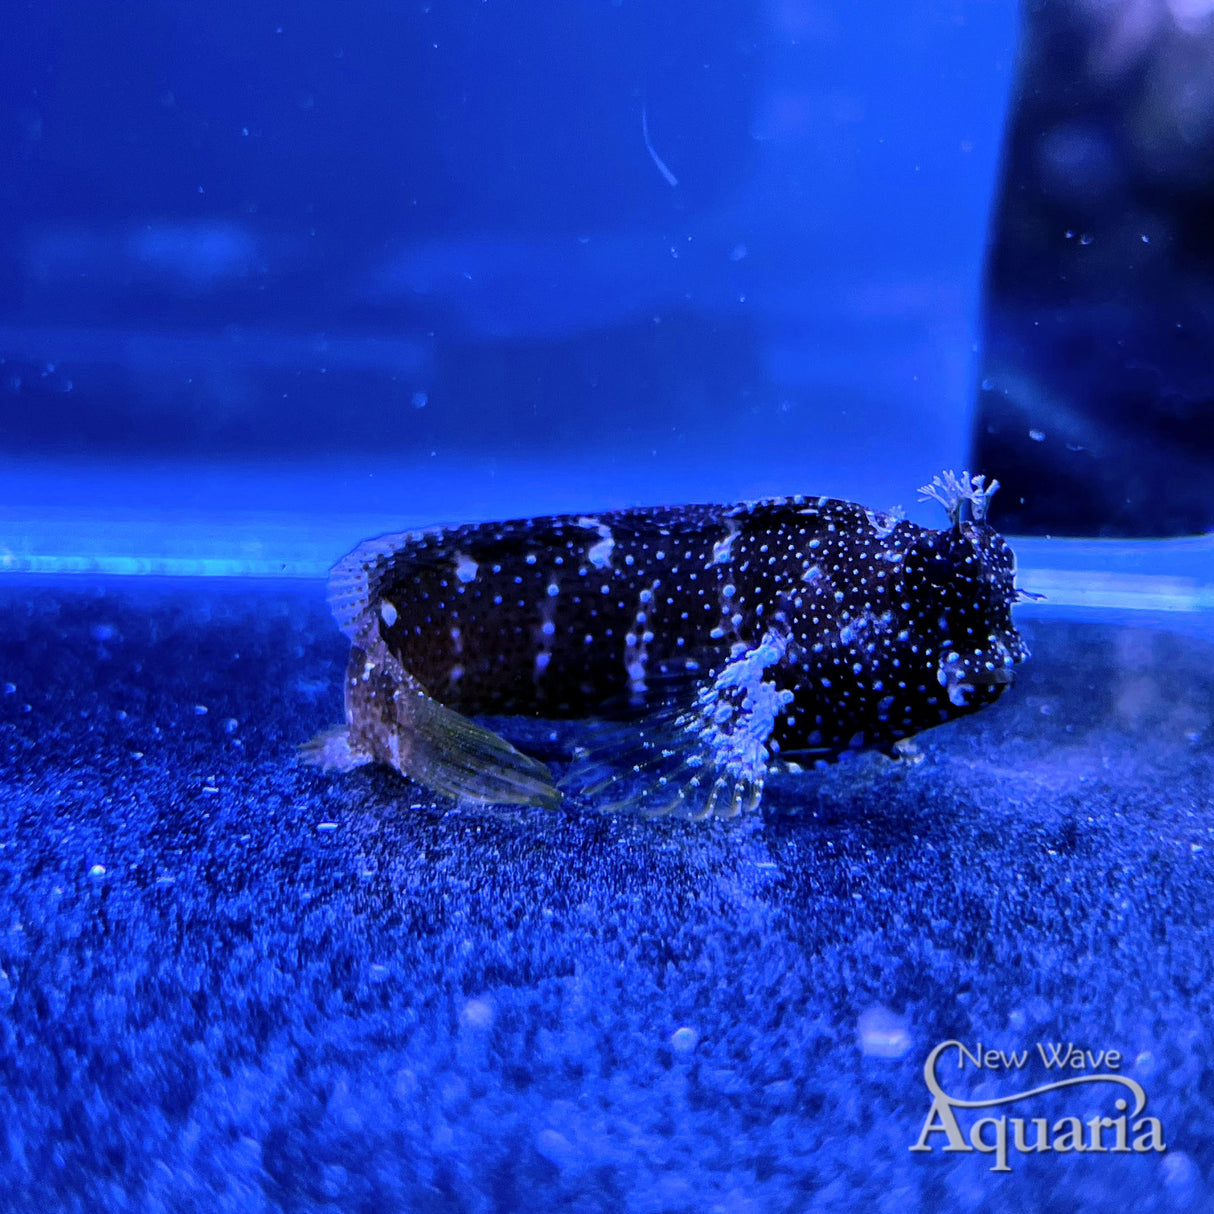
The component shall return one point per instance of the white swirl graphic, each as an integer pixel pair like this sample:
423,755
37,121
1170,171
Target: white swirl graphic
933,1084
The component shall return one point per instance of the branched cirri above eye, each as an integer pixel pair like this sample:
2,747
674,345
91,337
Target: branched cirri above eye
952,492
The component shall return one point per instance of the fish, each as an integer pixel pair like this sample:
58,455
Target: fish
711,644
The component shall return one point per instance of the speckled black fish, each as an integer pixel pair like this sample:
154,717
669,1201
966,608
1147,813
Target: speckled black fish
726,638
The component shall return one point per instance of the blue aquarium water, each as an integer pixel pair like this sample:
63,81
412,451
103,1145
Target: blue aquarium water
274,280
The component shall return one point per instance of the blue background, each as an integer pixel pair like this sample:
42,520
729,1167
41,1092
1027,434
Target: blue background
429,244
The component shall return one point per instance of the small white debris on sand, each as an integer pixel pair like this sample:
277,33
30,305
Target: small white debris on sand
478,1014
685,1039
555,1148
883,1034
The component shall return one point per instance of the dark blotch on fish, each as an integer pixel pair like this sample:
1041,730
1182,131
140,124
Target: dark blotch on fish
722,639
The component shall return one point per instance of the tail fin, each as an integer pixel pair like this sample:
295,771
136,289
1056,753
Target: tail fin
330,750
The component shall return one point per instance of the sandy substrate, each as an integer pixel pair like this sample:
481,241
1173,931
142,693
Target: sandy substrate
230,983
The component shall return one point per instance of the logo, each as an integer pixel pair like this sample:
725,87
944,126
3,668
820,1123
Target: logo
1121,1129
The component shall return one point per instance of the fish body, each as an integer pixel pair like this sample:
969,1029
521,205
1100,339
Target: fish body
722,638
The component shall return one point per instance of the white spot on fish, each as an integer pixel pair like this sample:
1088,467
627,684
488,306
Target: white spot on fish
957,693
883,524
387,613
721,549
465,567
599,554
636,658
547,631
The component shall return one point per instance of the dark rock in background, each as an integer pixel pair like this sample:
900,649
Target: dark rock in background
1096,409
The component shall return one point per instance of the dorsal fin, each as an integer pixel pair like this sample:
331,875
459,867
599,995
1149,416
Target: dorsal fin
355,581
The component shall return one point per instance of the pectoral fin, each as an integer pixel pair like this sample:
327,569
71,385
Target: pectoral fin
701,755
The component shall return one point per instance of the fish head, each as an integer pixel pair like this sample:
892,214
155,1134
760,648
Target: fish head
961,584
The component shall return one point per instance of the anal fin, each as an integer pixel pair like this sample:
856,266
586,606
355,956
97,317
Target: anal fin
457,757
394,720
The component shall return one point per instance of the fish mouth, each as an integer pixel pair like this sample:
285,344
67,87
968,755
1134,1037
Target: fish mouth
1001,676
962,676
